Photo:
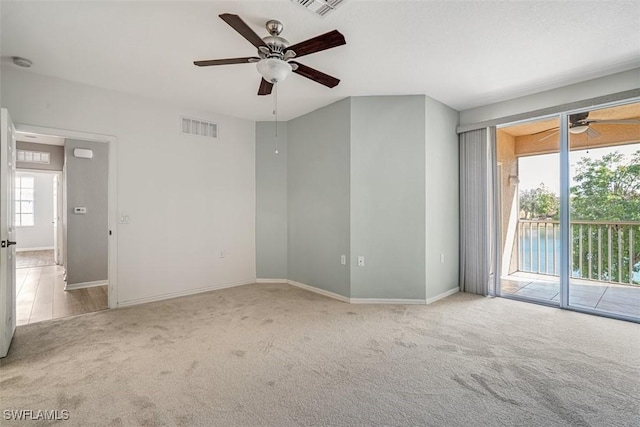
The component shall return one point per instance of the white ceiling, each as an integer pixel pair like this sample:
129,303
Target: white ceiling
463,53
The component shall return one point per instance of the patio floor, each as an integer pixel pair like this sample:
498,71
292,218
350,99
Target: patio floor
602,296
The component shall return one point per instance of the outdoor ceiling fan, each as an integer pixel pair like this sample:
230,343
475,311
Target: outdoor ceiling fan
274,56
579,123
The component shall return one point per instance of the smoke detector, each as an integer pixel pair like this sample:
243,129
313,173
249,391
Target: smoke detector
21,62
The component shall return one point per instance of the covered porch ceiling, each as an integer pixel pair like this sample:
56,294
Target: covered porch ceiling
542,136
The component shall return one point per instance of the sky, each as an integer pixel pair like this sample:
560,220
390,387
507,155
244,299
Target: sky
546,168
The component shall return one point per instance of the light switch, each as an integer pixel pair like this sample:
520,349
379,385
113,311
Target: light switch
343,259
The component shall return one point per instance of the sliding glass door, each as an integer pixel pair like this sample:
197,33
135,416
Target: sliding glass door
528,158
568,199
604,210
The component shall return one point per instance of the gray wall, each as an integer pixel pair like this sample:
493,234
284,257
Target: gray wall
369,176
271,201
602,86
388,197
87,240
57,156
442,200
318,197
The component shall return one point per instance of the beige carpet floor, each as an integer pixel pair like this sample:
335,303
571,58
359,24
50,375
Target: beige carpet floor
274,355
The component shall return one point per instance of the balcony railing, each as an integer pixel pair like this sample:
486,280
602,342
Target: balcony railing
601,251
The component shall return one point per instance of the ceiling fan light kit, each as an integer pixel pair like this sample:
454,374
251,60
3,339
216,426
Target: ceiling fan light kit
274,60
274,70
579,128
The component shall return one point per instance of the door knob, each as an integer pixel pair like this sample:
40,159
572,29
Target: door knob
9,243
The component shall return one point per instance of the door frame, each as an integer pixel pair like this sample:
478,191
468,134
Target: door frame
112,184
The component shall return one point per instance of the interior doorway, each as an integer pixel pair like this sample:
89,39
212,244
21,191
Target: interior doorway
48,176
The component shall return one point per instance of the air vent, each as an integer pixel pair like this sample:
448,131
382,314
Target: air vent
198,127
40,157
320,7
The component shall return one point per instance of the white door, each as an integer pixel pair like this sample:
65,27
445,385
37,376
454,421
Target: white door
7,232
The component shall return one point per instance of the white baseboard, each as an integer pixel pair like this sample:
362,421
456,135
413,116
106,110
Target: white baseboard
443,295
83,285
386,301
184,293
318,291
44,248
359,300
272,281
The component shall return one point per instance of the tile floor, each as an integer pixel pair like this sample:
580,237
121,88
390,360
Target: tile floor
609,297
40,291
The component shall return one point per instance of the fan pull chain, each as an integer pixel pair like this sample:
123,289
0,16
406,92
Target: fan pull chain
275,114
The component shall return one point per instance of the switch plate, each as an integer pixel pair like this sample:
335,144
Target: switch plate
360,261
343,259
221,254
441,258
79,210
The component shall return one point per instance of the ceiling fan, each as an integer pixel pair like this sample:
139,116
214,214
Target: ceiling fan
579,123
274,60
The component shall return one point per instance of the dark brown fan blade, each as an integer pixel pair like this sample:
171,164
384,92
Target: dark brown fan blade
209,62
265,87
323,42
241,27
315,75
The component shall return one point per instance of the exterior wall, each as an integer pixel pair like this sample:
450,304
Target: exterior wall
506,156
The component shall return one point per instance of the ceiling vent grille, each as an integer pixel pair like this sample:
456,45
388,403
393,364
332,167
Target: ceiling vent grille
40,157
320,7
198,127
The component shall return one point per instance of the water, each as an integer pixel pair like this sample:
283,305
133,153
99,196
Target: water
549,249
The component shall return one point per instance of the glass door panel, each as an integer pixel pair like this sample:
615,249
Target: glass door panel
529,187
604,210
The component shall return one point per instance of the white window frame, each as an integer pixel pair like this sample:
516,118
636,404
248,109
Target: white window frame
18,200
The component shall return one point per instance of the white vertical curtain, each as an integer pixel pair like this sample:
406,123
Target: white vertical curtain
475,203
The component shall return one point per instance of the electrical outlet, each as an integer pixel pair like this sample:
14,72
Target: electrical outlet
360,261
124,219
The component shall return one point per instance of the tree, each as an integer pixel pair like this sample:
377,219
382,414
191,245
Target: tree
539,203
607,190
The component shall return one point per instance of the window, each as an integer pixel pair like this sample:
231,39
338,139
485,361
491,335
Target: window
24,201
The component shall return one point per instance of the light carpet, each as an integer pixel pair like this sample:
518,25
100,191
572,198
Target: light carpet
275,355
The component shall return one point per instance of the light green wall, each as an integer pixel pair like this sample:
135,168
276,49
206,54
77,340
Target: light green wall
442,198
388,197
369,176
271,201
318,197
